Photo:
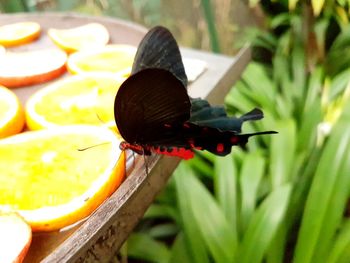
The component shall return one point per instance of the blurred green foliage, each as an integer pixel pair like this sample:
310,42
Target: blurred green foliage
285,200
193,22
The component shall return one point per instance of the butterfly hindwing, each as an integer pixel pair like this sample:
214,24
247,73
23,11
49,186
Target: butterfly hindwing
214,140
148,104
203,114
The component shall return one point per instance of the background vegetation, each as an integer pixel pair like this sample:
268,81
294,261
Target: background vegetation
286,199
186,18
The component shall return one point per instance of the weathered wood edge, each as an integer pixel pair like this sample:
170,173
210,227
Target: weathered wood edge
113,221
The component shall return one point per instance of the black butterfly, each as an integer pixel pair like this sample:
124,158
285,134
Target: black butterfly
154,113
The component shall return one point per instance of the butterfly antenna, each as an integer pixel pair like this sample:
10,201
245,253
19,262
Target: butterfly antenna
93,146
99,118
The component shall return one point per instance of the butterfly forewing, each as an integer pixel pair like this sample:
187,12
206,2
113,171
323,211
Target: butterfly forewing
149,104
159,49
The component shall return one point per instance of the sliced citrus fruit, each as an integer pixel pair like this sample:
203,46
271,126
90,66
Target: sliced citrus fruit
79,99
19,33
90,36
2,50
15,238
111,58
51,182
11,113
31,67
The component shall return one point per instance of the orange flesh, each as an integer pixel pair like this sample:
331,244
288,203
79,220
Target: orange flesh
42,179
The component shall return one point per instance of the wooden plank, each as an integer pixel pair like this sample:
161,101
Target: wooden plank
98,237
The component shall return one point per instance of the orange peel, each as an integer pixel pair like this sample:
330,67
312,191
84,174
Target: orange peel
89,36
11,113
19,69
19,33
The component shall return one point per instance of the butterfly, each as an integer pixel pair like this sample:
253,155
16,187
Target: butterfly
154,113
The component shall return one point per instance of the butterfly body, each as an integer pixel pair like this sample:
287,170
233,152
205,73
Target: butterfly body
154,113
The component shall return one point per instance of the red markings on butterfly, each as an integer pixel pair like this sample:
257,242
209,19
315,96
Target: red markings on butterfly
234,140
173,151
220,147
186,125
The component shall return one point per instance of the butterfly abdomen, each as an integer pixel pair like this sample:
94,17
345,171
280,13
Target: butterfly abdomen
182,152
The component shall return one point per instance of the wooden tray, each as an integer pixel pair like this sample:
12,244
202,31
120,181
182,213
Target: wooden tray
99,237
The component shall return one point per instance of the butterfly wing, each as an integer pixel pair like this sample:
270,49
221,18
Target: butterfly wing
203,114
148,105
214,140
159,49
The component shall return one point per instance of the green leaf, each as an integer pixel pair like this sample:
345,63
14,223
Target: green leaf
309,123
317,6
226,189
264,225
163,230
194,241
339,84
217,233
161,211
235,100
282,152
292,4
282,19
314,89
285,43
340,252
179,251
320,29
142,246
328,196
261,82
265,40
339,53
14,6
250,178
281,71
253,3
299,71
276,251
302,186
200,164
210,20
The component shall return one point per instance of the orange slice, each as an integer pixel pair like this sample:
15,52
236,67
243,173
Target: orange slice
79,99
19,33
31,67
89,36
111,58
11,113
15,238
2,50
50,183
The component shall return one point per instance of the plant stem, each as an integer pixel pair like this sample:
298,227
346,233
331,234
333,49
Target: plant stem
210,20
